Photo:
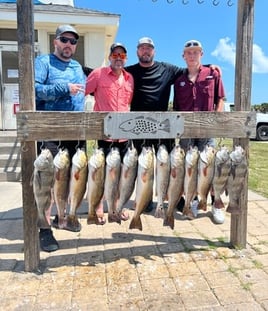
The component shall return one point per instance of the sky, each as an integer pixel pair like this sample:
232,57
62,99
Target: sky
170,25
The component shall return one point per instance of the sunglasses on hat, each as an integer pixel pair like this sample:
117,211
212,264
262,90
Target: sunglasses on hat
192,44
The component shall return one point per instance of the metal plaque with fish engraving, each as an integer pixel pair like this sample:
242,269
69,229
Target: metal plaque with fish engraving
143,125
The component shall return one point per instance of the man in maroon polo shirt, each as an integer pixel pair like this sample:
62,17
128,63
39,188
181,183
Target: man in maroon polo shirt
199,88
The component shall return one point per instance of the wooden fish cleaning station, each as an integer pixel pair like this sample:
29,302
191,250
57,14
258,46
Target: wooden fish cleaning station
32,126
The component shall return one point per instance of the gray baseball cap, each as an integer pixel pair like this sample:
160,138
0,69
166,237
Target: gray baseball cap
146,40
117,45
66,28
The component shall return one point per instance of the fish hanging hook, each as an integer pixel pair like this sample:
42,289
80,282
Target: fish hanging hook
230,3
143,143
111,145
58,147
42,145
77,145
23,147
216,2
200,1
185,2
170,1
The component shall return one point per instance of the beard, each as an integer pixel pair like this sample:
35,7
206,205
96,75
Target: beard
66,53
145,59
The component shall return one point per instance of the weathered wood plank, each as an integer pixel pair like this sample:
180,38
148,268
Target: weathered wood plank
27,99
33,126
243,78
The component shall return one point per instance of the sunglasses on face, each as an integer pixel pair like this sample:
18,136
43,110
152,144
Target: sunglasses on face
192,43
119,55
65,40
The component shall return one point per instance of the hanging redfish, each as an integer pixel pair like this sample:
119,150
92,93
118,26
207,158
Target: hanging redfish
127,180
42,181
95,188
61,185
176,183
235,183
206,164
221,173
162,179
144,185
190,180
112,175
78,183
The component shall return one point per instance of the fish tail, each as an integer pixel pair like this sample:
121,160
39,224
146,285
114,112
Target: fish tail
165,125
233,209
202,205
218,203
169,221
136,223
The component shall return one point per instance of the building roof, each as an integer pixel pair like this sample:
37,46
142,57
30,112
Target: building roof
57,8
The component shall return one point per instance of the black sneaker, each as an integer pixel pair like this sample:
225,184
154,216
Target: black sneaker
180,205
149,207
47,241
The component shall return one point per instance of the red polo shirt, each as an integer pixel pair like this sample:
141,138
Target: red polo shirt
112,93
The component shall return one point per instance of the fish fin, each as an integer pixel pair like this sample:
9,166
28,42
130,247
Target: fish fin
93,175
76,175
136,223
189,171
112,172
205,171
144,177
126,173
38,178
57,174
173,173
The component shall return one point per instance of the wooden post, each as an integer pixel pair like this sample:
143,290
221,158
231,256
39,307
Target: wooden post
243,70
27,99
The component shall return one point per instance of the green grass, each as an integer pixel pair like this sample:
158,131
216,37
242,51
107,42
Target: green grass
258,166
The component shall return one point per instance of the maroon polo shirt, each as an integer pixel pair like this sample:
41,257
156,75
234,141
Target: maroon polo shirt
202,95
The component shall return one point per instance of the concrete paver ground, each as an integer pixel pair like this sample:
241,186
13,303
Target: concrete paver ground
113,268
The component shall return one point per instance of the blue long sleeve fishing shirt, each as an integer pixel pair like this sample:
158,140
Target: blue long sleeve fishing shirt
52,77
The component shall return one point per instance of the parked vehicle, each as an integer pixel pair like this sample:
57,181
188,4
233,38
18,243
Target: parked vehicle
261,123
262,126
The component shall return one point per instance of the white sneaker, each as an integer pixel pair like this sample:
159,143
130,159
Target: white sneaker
218,215
194,207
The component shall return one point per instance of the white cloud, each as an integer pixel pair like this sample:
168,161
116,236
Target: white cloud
225,51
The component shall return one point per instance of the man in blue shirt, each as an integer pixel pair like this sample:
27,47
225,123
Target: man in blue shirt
59,86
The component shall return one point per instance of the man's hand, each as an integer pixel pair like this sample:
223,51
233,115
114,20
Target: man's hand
76,88
215,67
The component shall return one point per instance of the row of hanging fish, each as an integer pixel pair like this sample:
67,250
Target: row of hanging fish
105,178
190,174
